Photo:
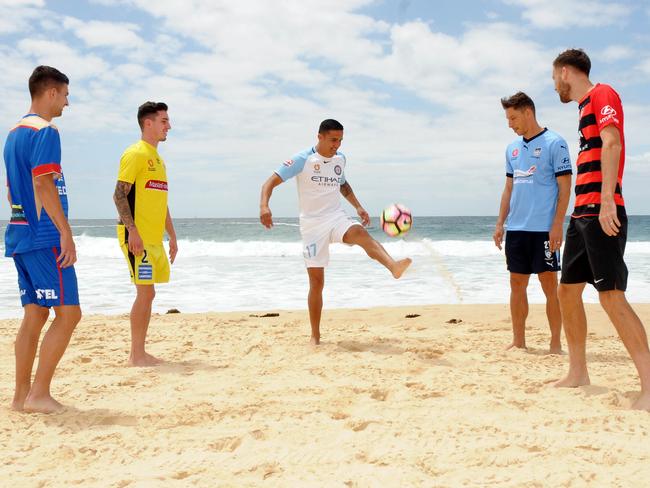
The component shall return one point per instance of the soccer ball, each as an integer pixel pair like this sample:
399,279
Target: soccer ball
396,220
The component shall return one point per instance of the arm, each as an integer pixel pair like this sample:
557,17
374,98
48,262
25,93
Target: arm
171,232
346,191
609,160
504,209
564,191
120,197
47,192
266,218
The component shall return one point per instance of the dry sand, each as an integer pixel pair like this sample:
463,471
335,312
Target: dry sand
385,401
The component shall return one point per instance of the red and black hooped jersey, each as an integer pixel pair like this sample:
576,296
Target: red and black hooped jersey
600,108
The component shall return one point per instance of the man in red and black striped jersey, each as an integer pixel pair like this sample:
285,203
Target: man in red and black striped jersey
595,240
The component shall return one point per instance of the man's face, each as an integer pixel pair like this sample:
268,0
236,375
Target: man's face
160,125
59,98
517,120
329,142
562,87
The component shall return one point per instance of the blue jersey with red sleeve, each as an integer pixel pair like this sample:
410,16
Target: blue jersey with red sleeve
32,150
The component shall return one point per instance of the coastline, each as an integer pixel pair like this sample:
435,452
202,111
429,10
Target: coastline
245,401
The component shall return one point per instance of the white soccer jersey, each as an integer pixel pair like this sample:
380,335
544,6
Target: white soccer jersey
319,181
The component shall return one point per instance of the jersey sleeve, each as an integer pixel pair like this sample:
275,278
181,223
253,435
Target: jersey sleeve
560,158
342,179
292,167
46,152
509,171
130,165
607,108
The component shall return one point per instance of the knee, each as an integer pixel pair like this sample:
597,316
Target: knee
316,284
609,299
146,293
73,316
518,282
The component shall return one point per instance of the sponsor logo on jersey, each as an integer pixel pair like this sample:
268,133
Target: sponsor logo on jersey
521,176
18,215
537,152
288,162
46,294
150,163
338,170
608,113
156,185
317,168
515,152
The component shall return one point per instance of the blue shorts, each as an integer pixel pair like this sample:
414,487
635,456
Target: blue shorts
43,282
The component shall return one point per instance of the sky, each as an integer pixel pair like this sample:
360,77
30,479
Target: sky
417,85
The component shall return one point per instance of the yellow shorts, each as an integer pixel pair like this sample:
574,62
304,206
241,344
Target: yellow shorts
152,266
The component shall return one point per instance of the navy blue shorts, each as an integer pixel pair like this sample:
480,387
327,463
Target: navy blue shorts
529,252
43,282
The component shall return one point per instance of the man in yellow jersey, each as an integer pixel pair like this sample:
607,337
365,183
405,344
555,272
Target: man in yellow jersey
141,201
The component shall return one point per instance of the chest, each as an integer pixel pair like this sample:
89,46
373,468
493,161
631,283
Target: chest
323,172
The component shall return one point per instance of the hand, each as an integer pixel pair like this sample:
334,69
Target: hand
135,242
266,218
555,237
498,235
608,218
173,249
68,254
363,215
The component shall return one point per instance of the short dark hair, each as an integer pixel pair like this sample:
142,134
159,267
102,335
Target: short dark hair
576,58
328,125
518,101
43,77
148,110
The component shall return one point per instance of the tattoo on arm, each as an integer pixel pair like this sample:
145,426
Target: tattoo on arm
346,189
122,190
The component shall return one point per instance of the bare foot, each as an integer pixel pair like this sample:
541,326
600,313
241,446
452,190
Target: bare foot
516,346
642,403
19,401
556,350
400,267
17,405
144,361
573,380
314,341
45,404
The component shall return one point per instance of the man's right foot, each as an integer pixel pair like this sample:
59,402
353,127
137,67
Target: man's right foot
45,404
573,381
516,346
400,267
314,341
144,361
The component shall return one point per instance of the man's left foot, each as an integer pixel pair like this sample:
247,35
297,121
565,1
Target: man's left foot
314,341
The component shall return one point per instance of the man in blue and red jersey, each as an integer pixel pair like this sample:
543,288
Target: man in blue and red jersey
595,240
39,239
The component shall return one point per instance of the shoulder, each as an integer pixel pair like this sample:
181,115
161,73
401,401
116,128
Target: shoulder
553,139
342,156
301,157
135,150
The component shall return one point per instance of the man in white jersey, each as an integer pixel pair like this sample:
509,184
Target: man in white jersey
320,175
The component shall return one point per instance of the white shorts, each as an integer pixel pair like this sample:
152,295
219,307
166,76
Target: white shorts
317,236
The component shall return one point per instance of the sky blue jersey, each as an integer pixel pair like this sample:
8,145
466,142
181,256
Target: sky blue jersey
534,165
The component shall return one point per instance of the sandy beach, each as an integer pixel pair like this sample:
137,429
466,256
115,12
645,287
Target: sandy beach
385,401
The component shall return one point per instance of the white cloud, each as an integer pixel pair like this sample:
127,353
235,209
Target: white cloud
563,14
616,53
15,16
105,34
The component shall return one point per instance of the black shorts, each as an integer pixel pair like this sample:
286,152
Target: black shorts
591,256
529,252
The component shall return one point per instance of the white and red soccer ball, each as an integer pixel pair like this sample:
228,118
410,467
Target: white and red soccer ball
396,220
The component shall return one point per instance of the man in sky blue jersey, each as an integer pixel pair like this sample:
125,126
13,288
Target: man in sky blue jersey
39,239
533,206
320,176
